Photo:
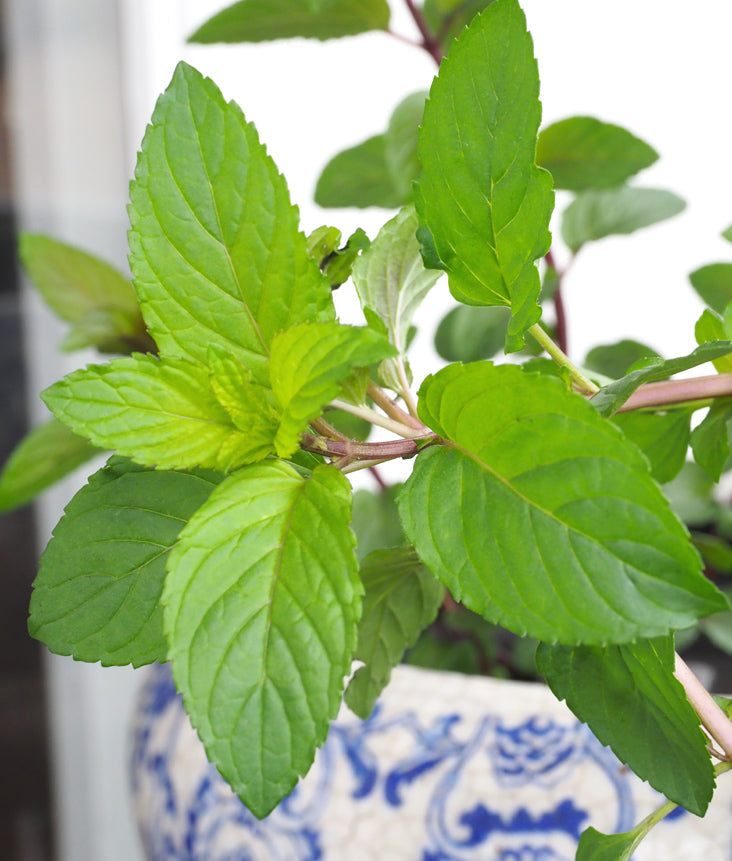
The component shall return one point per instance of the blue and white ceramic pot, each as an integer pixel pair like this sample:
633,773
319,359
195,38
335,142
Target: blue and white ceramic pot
448,768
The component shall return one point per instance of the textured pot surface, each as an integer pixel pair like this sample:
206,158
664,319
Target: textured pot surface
448,768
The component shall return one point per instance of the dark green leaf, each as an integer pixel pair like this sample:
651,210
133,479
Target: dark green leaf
446,18
541,517
308,365
261,603
710,439
400,600
214,246
41,458
596,846
714,284
583,152
359,177
610,398
467,334
715,551
615,360
400,143
594,215
662,437
262,20
97,593
159,412
376,520
629,697
483,203
690,496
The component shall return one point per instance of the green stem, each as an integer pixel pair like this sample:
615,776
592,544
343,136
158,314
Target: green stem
712,718
561,358
392,409
397,427
405,391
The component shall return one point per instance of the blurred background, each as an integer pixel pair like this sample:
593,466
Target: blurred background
78,81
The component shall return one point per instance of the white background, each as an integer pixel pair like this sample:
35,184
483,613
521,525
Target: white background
84,77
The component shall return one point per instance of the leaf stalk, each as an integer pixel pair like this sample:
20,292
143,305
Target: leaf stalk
563,360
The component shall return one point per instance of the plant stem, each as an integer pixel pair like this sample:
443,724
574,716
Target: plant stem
712,718
675,391
561,358
405,391
369,415
363,451
392,409
429,41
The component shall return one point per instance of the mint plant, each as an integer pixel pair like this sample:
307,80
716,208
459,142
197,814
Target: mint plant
218,536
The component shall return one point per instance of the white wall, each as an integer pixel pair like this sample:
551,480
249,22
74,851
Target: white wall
85,77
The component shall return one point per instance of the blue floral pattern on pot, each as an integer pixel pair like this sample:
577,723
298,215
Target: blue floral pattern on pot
447,768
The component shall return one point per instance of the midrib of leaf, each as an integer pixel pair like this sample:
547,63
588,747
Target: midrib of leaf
534,507
220,237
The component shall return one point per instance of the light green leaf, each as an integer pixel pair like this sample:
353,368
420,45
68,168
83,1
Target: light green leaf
309,362
594,215
43,457
262,20
160,413
400,143
483,203
261,603
629,697
727,233
610,398
584,152
401,599
390,277
96,596
90,294
709,327
215,248
714,284
710,439
615,360
662,437
360,177
541,517
467,334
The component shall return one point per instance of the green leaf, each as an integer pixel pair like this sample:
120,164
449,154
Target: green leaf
97,594
360,177
215,247
595,846
584,152
261,603
710,439
709,327
448,17
690,496
714,284
610,398
390,277
594,215
376,520
727,234
541,517
400,600
339,265
93,296
43,457
615,360
718,628
662,437
483,203
262,20
467,334
631,700
400,143
160,413
309,363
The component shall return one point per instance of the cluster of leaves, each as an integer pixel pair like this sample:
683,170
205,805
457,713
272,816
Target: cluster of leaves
220,534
